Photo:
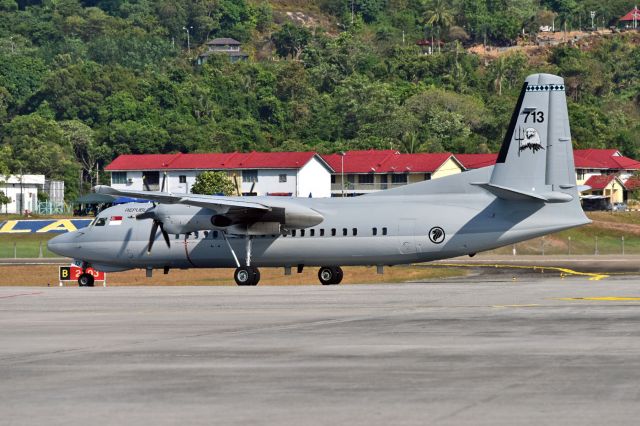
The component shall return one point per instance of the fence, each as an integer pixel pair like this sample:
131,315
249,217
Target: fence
594,245
26,249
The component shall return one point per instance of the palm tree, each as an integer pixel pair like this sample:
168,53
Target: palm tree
499,69
439,16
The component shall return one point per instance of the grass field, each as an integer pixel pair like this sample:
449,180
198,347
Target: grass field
25,245
43,275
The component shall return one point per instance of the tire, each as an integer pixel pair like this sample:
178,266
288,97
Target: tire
86,280
330,275
246,275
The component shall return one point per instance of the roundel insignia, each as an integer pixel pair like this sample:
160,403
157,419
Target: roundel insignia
436,235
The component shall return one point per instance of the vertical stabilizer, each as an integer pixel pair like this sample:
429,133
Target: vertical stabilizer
536,157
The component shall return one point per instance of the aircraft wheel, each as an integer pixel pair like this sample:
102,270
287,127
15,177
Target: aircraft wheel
247,275
86,280
329,275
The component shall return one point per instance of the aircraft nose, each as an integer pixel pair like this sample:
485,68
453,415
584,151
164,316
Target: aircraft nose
64,244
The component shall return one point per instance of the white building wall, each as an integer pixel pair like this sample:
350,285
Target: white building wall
315,179
27,190
269,182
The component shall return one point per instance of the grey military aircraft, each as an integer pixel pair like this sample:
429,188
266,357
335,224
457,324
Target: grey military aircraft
531,191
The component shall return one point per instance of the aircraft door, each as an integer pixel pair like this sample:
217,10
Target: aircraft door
406,236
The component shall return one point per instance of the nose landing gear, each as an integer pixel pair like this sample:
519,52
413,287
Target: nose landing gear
330,275
86,280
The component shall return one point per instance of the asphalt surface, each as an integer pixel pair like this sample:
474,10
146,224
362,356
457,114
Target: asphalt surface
479,351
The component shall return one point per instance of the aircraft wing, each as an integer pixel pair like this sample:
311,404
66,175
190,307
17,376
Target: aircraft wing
227,211
205,201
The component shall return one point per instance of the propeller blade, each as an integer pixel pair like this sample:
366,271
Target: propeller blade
165,234
152,236
164,179
147,214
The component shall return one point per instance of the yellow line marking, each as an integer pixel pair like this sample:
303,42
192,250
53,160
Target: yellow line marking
605,298
592,275
516,306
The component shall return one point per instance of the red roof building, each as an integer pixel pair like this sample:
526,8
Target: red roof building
477,161
255,173
374,170
633,16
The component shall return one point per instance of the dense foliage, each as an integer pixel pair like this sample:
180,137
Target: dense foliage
84,81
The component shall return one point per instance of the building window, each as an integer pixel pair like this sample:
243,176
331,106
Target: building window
399,178
365,179
249,176
374,231
427,176
118,177
182,179
333,178
282,178
580,174
384,231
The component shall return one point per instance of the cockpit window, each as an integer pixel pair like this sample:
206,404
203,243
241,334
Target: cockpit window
101,221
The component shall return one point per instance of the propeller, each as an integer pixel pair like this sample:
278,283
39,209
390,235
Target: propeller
164,179
157,223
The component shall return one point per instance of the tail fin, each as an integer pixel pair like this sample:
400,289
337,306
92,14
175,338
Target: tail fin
536,157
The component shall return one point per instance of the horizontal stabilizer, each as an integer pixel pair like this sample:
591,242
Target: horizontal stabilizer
519,195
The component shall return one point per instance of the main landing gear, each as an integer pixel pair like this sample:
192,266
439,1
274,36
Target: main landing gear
247,275
244,275
330,275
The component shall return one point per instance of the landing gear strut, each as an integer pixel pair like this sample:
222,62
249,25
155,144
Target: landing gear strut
329,275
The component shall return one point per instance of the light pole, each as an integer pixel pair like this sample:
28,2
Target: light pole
593,15
342,154
188,43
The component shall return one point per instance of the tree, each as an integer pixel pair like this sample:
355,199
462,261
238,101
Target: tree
209,183
291,40
438,15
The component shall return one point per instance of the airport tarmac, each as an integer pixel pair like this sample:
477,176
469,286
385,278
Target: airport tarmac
483,350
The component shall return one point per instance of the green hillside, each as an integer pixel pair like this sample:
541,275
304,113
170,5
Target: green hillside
84,81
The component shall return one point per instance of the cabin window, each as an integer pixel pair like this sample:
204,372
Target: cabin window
374,231
215,235
302,232
312,233
384,231
345,232
293,233
354,231
322,232
206,234
101,221
333,232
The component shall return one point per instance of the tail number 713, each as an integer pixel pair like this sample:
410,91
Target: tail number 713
536,116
